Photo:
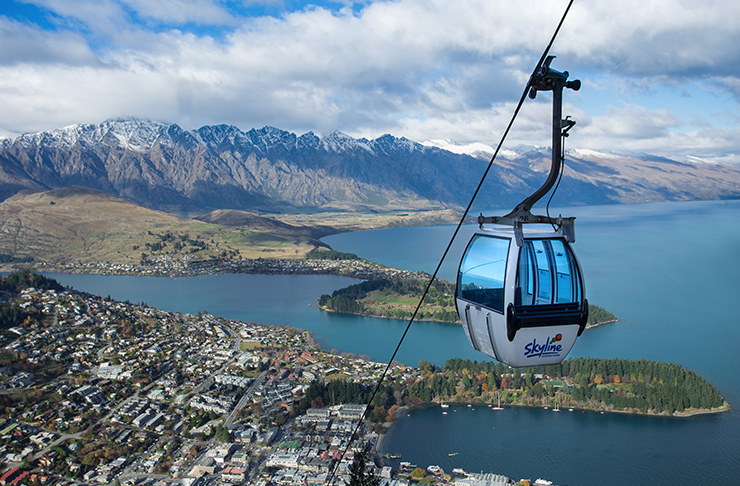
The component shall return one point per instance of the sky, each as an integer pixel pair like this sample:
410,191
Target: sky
659,77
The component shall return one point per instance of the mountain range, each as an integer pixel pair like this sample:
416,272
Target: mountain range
187,172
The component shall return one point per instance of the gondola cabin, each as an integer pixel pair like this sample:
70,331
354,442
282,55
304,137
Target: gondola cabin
524,305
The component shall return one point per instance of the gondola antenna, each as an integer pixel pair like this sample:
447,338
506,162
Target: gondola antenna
454,235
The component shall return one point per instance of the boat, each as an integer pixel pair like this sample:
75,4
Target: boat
445,405
436,470
444,413
498,407
452,454
393,456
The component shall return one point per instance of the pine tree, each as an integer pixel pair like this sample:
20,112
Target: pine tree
358,473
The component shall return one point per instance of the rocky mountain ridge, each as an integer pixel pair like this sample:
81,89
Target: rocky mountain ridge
167,168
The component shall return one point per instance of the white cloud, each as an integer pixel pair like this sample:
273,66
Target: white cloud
181,11
95,17
22,43
420,69
632,122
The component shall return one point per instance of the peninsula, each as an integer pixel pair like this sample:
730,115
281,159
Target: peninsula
397,299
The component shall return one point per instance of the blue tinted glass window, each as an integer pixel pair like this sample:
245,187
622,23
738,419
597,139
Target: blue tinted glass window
547,273
568,288
482,272
544,273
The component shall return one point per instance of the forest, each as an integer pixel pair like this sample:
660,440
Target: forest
618,385
23,279
10,315
640,386
438,304
380,297
5,258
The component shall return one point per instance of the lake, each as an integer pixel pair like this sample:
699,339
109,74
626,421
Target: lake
669,271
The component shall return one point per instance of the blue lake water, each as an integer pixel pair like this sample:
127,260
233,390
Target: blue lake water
569,448
671,274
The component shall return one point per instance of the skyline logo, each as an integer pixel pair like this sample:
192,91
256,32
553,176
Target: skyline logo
550,348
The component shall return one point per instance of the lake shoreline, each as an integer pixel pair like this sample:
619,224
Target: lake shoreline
438,403
457,323
326,309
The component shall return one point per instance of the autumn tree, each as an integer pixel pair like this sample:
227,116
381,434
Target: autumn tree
391,413
418,473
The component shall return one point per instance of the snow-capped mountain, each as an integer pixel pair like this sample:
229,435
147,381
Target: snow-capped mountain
165,167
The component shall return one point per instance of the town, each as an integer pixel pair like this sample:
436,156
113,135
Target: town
96,391
185,265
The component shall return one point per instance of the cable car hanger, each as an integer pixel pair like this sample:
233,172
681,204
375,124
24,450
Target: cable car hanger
523,300
544,79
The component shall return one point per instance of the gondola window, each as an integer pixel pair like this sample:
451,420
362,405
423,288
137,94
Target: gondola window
482,272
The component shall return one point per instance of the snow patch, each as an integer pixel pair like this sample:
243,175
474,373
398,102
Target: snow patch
590,154
337,141
8,134
477,149
698,160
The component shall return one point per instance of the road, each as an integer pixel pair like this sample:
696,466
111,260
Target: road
237,345
246,396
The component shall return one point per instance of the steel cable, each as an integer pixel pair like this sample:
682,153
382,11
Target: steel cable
449,245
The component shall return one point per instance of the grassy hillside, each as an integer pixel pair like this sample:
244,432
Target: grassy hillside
80,225
83,225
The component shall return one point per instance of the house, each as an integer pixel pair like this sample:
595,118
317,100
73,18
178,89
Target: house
199,471
234,474
48,459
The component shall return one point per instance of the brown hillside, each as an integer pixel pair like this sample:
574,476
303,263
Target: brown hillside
78,224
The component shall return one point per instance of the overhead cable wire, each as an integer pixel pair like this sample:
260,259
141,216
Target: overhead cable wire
454,235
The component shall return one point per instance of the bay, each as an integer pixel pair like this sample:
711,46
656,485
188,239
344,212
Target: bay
671,274
284,300
568,448
669,271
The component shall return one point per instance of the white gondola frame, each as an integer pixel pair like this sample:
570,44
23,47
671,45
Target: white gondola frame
486,327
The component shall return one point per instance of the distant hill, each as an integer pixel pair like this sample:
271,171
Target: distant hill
166,168
244,219
81,225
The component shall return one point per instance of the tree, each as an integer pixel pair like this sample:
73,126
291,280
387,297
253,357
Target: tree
466,381
425,366
418,473
222,434
358,470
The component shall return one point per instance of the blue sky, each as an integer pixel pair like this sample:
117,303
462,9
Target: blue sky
659,76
